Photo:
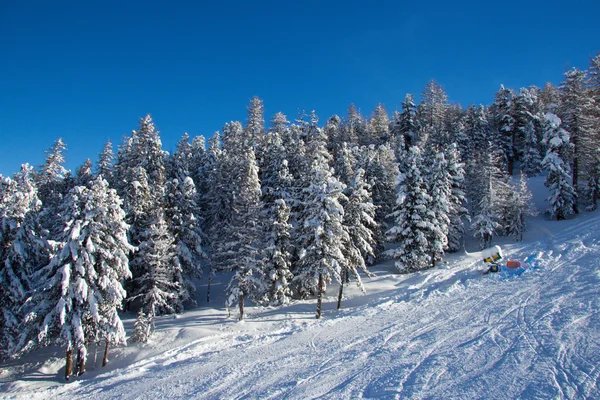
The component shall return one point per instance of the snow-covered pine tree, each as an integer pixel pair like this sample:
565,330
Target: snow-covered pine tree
80,291
379,127
503,123
353,127
322,236
381,170
184,223
593,183
345,163
359,222
278,256
159,286
458,212
435,106
439,187
576,113
240,250
142,328
563,195
104,167
50,180
83,174
22,251
532,161
485,223
518,207
407,124
411,220
489,187
179,163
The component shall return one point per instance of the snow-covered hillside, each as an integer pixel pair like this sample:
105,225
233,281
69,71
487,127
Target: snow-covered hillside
450,332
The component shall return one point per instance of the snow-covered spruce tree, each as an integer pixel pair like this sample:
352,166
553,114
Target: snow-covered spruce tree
353,127
322,236
141,176
104,166
489,188
458,212
278,256
80,290
345,163
184,223
254,131
563,195
407,129
576,113
593,183
269,170
359,222
159,285
439,187
411,218
359,218
518,207
532,161
142,328
381,170
50,180
178,165
485,223
83,174
22,252
379,127
240,248
435,106
503,123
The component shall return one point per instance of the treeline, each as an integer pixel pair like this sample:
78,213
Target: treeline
288,209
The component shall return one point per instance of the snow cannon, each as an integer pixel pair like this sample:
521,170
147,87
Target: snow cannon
492,254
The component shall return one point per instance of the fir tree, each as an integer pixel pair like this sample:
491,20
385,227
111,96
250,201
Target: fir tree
359,221
458,213
278,262
83,175
322,235
440,192
104,166
80,291
241,251
142,328
160,284
576,115
22,252
563,195
411,219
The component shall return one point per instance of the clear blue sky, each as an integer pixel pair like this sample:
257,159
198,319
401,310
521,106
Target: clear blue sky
88,70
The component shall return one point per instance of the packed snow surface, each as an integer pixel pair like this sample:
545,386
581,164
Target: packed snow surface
445,333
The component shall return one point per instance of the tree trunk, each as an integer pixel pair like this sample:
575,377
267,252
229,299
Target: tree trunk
105,358
433,260
95,354
320,298
241,306
344,275
510,166
69,363
80,363
77,363
208,286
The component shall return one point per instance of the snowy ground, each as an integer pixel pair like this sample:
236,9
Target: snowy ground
445,333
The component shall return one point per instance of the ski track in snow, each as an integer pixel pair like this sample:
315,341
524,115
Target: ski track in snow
445,333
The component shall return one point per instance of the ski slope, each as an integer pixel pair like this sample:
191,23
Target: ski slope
448,333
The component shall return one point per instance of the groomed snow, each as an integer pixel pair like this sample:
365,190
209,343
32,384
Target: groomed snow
448,333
